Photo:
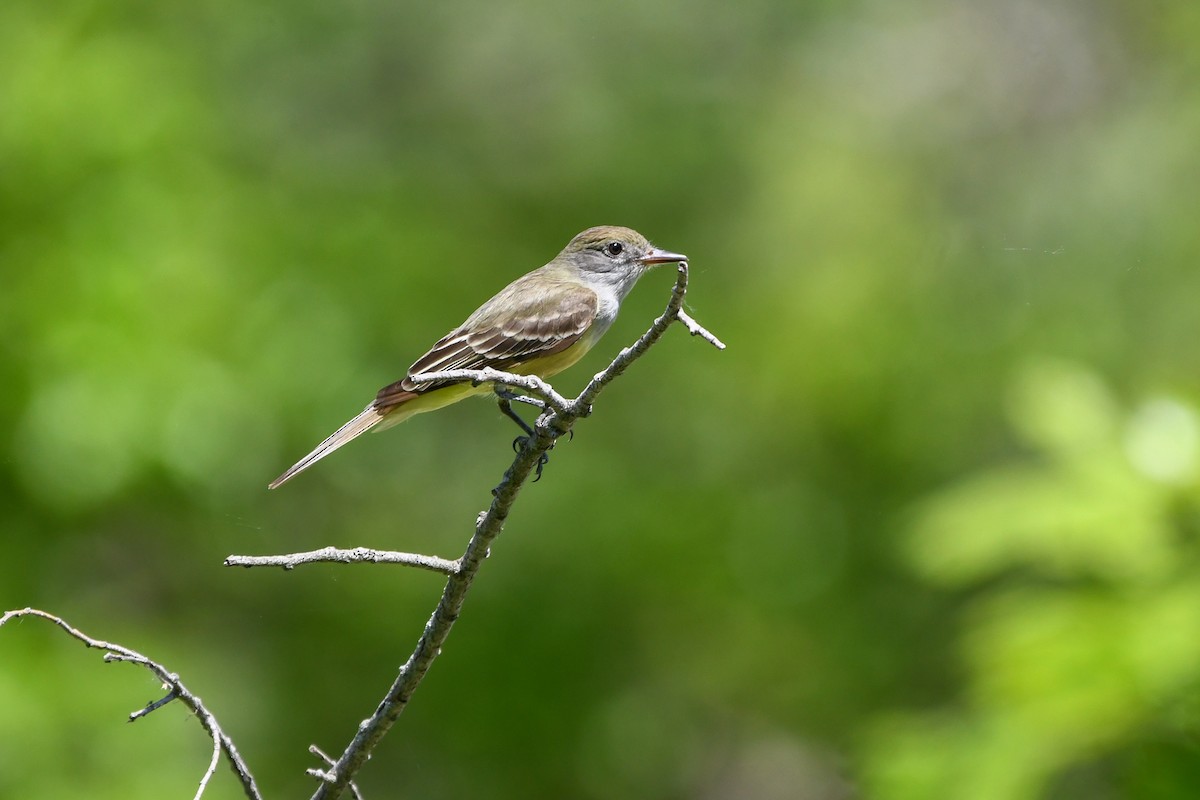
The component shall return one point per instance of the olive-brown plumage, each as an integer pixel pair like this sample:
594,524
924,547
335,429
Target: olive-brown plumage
539,324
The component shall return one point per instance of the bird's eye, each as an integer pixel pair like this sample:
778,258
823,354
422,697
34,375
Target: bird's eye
614,249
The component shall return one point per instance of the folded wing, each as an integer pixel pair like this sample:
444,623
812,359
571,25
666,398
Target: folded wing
532,318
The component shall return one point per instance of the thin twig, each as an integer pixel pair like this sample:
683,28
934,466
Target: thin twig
116,652
582,405
150,707
530,383
696,329
328,759
357,555
212,770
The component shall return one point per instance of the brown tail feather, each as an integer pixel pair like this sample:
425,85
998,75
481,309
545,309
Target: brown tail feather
348,432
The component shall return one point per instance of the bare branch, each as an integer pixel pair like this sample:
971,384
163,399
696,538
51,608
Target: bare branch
558,419
357,555
116,652
696,329
150,707
487,528
530,383
316,773
212,769
582,405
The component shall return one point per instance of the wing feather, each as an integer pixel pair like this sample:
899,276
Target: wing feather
527,320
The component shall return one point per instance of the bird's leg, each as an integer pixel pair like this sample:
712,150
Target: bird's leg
505,399
507,396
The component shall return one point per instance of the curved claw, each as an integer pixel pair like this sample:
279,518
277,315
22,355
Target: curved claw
542,462
519,443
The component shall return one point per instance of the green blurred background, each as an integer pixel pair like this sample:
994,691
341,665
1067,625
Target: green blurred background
927,529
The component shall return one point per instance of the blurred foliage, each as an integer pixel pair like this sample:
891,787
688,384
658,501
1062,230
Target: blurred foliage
928,528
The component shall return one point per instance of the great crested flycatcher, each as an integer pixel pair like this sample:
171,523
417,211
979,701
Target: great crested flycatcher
539,324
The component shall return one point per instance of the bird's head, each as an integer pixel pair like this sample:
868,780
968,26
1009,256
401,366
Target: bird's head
615,251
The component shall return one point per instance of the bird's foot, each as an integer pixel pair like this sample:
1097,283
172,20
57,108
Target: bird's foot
505,399
521,442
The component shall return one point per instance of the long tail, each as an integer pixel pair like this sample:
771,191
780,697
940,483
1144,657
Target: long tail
368,419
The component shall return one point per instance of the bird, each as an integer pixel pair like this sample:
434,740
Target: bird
540,324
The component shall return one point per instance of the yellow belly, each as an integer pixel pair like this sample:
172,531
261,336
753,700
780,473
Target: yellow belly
440,398
552,365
